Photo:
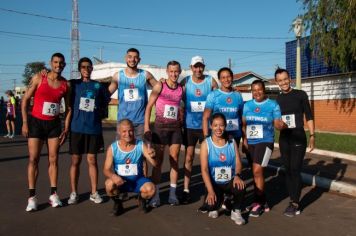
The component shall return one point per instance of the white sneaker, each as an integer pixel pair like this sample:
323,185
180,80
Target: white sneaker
54,200
12,136
6,136
213,214
95,197
73,198
236,216
32,204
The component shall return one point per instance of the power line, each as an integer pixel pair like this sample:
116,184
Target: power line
143,45
145,30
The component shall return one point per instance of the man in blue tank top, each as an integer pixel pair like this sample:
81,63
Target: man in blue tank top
123,167
131,83
88,97
196,89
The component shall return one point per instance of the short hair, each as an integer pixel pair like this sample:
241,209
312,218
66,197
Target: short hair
57,54
133,50
173,63
9,92
125,121
84,59
225,69
280,71
257,81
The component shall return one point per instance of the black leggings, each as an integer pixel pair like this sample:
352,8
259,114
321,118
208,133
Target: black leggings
228,188
292,145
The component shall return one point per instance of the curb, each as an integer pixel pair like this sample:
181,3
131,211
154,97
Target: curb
344,156
314,180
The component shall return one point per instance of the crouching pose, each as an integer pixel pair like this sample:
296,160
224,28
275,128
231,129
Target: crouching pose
123,167
221,167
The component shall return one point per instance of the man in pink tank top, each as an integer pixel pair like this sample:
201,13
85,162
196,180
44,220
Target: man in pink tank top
166,96
44,125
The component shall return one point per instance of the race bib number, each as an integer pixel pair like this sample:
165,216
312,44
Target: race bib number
50,109
197,106
87,104
131,95
127,169
232,125
289,120
170,112
8,110
254,131
222,174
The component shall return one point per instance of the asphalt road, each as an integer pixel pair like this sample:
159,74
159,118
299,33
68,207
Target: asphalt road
323,214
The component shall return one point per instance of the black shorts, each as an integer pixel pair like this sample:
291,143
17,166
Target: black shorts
85,143
192,136
260,153
10,117
167,136
44,129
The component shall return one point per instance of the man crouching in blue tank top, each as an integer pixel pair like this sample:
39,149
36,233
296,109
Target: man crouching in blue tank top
123,167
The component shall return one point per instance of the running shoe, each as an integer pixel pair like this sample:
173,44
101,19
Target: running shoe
54,200
256,210
227,205
96,198
32,204
73,198
186,198
173,200
266,208
213,214
118,209
236,216
155,202
12,136
292,210
203,209
6,136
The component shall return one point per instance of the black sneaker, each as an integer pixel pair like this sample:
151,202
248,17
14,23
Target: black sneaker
203,209
292,210
186,198
143,204
227,204
118,209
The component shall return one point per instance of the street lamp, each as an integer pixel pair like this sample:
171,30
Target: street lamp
298,30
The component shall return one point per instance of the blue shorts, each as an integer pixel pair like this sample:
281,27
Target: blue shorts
134,186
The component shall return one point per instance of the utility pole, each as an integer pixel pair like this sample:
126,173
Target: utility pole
74,73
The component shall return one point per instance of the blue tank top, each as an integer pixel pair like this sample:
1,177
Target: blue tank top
87,99
231,105
221,161
132,95
128,165
259,120
195,98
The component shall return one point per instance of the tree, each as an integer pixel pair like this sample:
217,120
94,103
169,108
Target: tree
31,69
332,25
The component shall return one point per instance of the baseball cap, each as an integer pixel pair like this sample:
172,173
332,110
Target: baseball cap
197,59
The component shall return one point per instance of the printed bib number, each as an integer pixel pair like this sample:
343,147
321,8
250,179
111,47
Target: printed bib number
8,110
127,169
170,112
232,125
131,95
254,131
87,104
197,106
50,109
222,174
289,120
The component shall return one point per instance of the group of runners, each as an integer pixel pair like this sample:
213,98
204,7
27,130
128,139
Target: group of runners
195,110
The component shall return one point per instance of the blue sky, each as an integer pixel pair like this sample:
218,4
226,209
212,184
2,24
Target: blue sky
259,29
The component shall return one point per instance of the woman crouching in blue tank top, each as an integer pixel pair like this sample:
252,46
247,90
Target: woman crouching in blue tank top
221,167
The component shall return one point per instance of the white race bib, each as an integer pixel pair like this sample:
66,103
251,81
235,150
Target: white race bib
131,95
222,174
197,106
289,120
232,125
87,104
170,112
50,109
127,169
254,131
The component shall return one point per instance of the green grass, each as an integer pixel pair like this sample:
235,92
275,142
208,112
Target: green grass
332,142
